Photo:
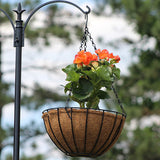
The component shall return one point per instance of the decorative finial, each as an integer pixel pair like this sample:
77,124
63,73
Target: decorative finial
19,7
19,11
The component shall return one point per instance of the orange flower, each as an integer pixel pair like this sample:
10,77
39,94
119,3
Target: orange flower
94,57
98,51
117,58
89,58
85,58
111,55
80,58
103,54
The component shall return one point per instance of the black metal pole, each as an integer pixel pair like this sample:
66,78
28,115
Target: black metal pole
18,43
17,104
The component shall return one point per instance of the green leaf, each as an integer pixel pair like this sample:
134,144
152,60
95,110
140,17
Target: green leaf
116,72
69,68
83,90
92,75
104,73
68,87
102,94
72,75
106,84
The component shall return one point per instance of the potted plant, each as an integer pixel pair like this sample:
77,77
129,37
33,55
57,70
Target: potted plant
88,74
87,131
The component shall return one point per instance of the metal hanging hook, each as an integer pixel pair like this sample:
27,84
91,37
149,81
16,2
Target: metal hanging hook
86,17
52,2
89,10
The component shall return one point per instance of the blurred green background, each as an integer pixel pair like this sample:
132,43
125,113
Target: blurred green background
138,89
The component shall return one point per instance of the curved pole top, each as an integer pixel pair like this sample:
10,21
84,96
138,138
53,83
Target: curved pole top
51,2
9,18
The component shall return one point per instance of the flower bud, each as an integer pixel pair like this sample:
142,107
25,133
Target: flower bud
95,64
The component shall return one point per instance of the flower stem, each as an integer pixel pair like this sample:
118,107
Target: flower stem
82,105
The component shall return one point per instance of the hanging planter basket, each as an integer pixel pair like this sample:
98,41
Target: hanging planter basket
86,132
83,132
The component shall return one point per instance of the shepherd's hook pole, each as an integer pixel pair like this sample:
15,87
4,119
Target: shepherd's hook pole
19,30
18,43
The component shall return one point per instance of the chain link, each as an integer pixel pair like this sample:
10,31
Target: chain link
84,40
91,39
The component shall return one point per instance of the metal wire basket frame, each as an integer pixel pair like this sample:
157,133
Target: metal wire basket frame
85,132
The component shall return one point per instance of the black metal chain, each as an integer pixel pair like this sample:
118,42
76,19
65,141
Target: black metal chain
119,102
86,34
83,45
91,39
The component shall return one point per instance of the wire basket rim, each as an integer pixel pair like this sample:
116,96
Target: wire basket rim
78,108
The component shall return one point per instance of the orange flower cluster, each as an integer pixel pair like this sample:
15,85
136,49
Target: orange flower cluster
104,54
85,58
